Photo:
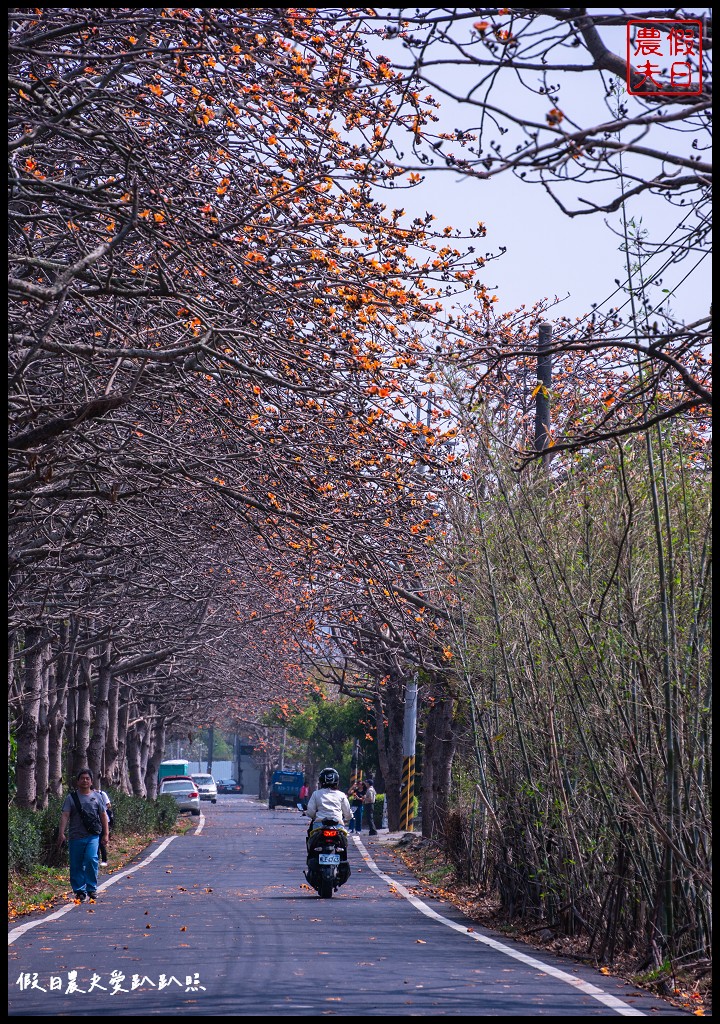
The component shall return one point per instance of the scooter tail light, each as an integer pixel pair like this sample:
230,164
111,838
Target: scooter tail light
328,832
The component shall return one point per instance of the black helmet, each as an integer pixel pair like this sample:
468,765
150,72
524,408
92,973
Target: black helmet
328,777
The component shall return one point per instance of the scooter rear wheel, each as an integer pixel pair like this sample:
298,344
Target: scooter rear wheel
326,888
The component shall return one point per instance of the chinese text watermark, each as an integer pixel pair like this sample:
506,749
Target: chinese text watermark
664,57
115,982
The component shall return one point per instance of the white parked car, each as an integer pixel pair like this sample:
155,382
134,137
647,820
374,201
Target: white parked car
206,787
184,793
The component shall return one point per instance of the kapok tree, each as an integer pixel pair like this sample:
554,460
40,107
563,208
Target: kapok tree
196,285
626,146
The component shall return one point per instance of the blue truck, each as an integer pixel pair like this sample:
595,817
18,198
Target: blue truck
285,788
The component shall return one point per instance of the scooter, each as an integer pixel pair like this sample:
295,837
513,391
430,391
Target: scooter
327,861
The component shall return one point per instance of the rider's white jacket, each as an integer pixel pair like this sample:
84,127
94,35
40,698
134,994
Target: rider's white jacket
329,803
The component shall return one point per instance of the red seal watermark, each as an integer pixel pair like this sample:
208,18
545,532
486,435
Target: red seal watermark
664,57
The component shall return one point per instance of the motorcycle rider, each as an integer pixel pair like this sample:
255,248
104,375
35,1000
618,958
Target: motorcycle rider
328,801
327,804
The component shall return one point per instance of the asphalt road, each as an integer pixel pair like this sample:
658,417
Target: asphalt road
222,923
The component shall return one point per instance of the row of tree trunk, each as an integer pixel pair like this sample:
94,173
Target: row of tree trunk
72,711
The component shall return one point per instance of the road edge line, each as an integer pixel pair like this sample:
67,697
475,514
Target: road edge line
15,933
613,1002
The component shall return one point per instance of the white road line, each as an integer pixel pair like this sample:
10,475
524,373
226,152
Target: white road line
17,932
623,1009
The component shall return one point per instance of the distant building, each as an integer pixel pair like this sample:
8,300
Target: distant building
242,768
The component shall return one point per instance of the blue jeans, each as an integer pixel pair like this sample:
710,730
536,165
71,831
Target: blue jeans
84,864
357,818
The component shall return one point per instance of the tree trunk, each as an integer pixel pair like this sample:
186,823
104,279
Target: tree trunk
121,775
82,718
55,747
438,752
96,749
429,765
111,771
71,716
135,738
124,783
263,782
390,738
13,687
42,767
57,713
147,735
27,731
157,749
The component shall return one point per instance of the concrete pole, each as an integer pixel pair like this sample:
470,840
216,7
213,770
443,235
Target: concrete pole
408,779
236,769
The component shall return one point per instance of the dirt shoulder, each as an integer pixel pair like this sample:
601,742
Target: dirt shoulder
690,990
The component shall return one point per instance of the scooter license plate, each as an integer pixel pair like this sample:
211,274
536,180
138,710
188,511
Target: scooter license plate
329,858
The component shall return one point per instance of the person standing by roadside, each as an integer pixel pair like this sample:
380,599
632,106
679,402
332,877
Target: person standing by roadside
109,811
355,794
84,812
369,807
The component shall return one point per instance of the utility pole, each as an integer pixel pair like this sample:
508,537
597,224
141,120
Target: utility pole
211,745
542,391
408,778
282,750
355,772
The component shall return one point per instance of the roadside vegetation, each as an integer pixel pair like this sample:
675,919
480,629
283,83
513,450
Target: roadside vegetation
439,878
38,876
581,633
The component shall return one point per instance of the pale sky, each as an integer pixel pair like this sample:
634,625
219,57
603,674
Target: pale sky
549,253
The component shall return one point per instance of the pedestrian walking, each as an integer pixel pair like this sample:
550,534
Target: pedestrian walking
369,807
84,813
107,804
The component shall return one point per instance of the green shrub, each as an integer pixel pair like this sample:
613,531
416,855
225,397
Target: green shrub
50,820
134,814
24,838
32,835
166,811
131,814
